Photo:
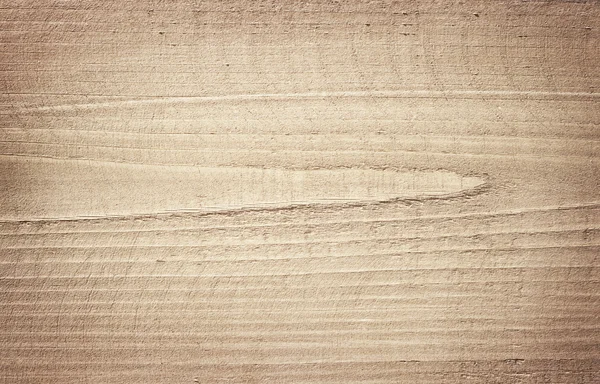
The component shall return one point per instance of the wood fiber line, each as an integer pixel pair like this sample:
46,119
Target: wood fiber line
299,192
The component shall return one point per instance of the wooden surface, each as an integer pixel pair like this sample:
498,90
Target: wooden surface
299,192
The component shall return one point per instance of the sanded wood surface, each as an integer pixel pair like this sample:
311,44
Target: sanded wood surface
299,192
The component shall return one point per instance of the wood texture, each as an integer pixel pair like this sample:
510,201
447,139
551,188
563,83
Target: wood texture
299,192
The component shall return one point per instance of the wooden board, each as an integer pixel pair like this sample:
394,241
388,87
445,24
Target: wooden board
299,192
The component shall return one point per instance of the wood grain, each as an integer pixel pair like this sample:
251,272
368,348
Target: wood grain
299,192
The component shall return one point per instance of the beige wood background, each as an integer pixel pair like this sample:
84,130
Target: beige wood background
299,192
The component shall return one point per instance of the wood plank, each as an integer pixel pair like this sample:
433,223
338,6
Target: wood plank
299,192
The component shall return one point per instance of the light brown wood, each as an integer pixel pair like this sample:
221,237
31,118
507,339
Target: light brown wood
299,192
